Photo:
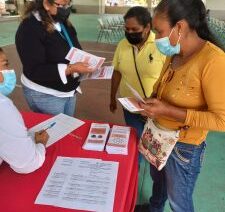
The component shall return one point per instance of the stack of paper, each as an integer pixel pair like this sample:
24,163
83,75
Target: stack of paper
105,72
76,55
97,137
118,140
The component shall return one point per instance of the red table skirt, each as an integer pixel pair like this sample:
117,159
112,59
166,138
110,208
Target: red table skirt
19,191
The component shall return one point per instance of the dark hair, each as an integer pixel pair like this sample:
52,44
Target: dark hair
193,11
142,15
37,6
1,50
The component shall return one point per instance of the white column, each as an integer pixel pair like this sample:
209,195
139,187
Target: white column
2,6
149,2
101,4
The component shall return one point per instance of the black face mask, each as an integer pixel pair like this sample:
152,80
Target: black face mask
62,14
134,38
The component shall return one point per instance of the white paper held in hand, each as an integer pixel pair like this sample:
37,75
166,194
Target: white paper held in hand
136,95
76,55
104,72
131,104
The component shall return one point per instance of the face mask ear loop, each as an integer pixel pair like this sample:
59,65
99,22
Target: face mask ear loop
171,32
179,38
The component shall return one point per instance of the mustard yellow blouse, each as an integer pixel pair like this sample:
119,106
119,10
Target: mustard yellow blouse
198,86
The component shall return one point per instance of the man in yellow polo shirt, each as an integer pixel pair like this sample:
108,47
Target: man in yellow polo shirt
137,62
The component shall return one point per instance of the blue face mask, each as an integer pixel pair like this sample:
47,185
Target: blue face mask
164,46
9,83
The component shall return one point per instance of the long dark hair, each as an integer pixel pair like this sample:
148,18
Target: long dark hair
46,19
37,6
142,15
193,11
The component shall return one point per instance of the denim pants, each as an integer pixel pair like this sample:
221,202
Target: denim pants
49,104
136,121
176,181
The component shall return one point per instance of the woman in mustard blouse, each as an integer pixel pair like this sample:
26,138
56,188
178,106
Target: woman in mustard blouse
190,94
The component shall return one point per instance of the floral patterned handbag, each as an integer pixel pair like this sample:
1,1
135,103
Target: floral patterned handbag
158,142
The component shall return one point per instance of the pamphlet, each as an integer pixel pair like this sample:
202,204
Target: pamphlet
97,137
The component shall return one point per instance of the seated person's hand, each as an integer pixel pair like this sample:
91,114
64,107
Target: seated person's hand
41,137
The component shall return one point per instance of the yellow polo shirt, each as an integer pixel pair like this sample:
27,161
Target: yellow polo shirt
198,86
149,64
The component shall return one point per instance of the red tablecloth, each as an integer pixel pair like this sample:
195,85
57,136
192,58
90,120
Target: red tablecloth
18,192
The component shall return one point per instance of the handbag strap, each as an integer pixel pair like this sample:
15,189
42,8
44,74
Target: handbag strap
142,87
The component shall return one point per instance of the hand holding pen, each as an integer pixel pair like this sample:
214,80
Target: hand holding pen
42,136
50,126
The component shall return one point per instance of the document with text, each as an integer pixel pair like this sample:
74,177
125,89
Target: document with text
76,55
80,183
57,127
104,72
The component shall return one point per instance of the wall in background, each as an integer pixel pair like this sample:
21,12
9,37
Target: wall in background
217,8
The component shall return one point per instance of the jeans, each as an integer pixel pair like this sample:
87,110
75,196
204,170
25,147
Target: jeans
48,104
176,181
136,121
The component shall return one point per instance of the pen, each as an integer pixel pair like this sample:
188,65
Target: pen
50,126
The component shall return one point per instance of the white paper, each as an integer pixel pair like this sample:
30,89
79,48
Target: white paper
118,140
82,184
131,104
136,95
64,125
97,137
76,55
104,72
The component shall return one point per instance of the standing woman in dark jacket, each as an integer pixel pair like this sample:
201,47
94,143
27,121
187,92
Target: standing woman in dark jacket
43,39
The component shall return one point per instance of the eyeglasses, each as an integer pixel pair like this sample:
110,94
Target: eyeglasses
63,6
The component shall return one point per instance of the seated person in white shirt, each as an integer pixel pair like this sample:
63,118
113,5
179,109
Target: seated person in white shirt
16,148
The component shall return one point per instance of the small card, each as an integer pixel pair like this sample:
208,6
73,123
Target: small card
137,96
131,104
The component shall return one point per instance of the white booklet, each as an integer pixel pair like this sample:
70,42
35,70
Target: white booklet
118,140
104,72
132,103
76,55
136,95
57,127
97,137
80,183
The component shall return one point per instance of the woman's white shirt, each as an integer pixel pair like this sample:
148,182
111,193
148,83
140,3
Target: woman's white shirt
16,147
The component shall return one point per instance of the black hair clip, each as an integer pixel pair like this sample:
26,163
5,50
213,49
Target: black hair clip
150,57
